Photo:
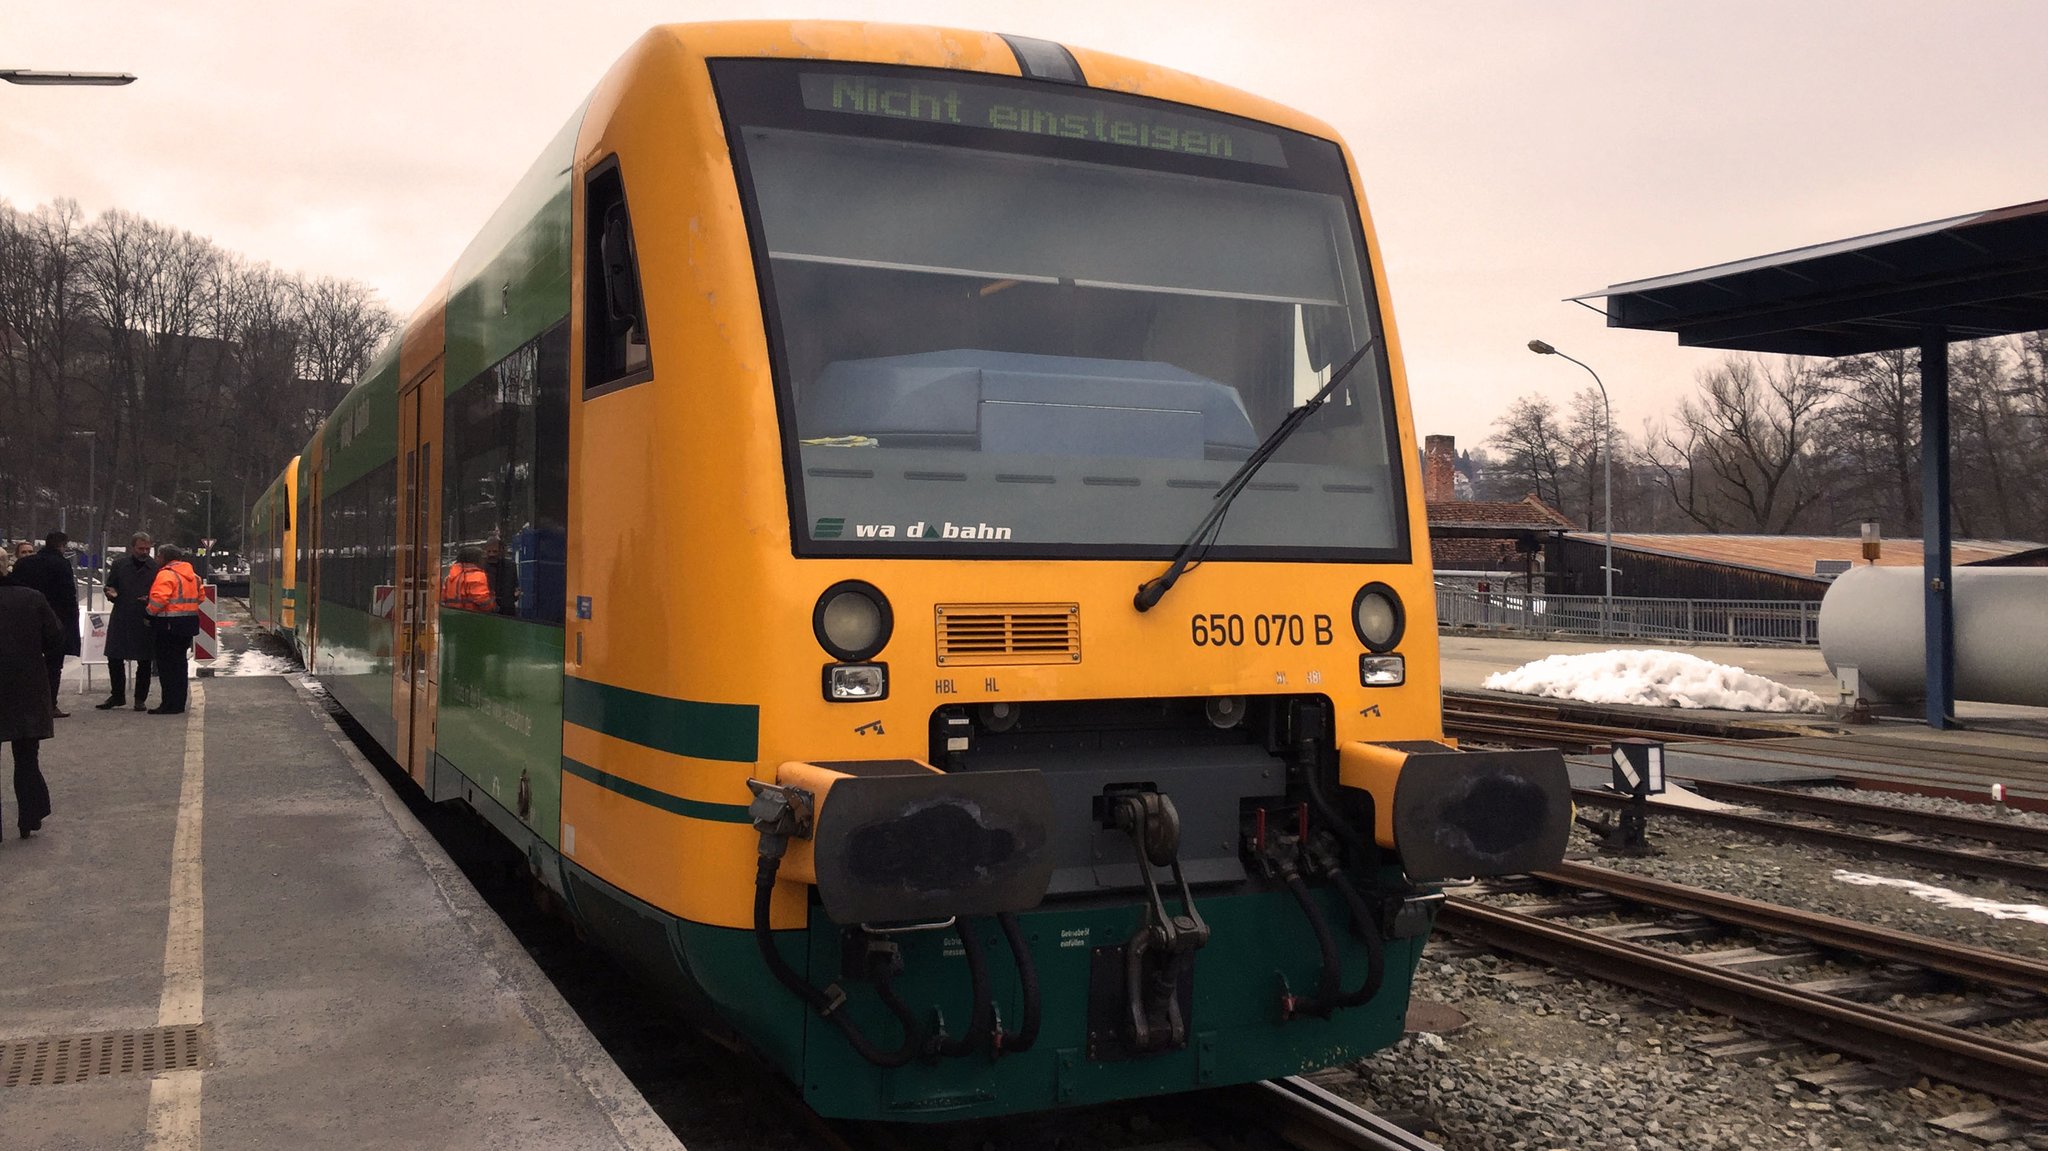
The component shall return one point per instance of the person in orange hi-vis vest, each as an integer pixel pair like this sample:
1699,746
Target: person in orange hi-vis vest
466,587
174,620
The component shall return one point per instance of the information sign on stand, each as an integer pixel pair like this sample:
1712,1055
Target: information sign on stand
92,633
92,637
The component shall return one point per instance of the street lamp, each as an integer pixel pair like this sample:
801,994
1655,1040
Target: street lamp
92,79
92,502
1607,468
207,540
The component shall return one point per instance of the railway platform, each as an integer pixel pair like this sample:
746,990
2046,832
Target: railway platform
231,933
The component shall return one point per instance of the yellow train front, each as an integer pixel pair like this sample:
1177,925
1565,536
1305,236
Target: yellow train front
898,361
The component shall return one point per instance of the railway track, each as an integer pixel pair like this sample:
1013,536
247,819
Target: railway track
1291,1114
1582,728
1820,1011
1999,833
2027,869
1310,1118
1872,759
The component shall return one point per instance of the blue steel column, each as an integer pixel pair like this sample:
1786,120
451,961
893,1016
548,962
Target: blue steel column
1934,498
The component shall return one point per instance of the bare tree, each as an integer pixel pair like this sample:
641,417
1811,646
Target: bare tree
1532,447
1582,474
40,327
1743,455
1876,426
185,362
341,324
1989,457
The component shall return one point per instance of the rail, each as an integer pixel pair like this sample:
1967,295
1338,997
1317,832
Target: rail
1994,1066
1699,621
1311,1118
2024,871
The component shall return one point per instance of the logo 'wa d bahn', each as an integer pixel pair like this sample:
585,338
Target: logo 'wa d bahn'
835,527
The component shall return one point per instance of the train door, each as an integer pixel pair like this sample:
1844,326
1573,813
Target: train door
413,702
310,532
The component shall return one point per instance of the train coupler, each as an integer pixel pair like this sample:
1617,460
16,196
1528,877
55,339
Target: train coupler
1161,954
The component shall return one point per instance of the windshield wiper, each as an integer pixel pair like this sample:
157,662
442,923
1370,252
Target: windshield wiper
1151,591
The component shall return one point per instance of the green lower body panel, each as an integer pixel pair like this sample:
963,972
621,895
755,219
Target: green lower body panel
1262,947
500,717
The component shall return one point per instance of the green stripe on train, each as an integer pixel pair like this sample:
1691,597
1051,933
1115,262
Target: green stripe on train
673,804
727,731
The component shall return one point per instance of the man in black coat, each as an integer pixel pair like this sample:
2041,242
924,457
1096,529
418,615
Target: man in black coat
31,643
128,580
51,572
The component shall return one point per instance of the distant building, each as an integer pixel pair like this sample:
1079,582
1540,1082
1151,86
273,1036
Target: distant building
1749,567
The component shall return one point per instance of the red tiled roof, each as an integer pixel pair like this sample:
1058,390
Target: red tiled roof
1527,512
1794,555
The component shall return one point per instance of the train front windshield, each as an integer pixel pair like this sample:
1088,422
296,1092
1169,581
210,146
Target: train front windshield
1022,319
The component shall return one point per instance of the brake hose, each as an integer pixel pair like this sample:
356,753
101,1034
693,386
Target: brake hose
1365,927
828,1002
984,1001
1326,996
1027,974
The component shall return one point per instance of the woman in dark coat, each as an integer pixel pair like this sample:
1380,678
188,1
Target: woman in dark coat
31,643
128,637
51,572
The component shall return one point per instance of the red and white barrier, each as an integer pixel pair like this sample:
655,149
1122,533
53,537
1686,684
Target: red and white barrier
206,645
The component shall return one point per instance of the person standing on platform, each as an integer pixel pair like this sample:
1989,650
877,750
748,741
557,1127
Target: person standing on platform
174,617
466,587
31,642
128,638
51,572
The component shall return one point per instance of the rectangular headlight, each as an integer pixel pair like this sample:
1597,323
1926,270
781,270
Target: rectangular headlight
1382,670
850,682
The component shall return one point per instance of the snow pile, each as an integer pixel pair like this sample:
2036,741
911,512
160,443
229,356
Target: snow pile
1652,679
257,663
1943,897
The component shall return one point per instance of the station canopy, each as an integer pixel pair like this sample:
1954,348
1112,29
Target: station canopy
1926,286
1975,276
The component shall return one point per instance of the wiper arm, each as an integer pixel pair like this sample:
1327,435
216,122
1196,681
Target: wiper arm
1151,591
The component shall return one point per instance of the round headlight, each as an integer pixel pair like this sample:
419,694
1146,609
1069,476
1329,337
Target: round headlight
852,620
1376,614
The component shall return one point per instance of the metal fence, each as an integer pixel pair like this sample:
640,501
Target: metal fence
1788,622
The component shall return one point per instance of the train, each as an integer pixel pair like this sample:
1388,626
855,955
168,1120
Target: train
915,535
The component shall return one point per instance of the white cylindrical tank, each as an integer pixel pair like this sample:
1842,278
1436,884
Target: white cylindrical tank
1873,619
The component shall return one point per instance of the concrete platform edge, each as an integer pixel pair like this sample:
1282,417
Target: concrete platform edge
638,1127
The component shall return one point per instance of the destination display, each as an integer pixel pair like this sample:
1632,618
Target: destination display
1038,113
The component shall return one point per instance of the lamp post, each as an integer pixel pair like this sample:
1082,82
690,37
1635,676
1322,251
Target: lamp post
92,79
92,502
1607,482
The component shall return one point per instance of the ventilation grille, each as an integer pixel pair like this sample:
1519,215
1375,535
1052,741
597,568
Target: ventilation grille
1829,569
54,1060
984,634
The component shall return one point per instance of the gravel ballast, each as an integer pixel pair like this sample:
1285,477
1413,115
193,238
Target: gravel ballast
1571,1063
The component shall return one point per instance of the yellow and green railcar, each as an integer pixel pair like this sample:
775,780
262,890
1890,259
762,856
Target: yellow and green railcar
915,533
272,547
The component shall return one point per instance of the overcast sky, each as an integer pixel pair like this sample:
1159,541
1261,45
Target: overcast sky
1512,153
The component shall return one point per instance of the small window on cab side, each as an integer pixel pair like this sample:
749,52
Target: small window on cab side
615,350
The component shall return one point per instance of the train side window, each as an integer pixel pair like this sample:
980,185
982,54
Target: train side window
615,351
505,478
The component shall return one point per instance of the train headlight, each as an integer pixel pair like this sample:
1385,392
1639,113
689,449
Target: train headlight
1377,616
1382,670
852,620
850,682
